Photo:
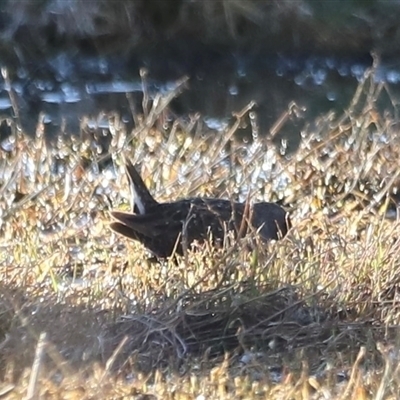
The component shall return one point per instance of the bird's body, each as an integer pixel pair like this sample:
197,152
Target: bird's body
167,227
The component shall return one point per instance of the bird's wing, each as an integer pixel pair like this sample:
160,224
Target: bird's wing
148,224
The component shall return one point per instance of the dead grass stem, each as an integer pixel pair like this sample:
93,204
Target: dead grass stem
84,313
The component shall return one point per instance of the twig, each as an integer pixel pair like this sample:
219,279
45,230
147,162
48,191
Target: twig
37,362
354,372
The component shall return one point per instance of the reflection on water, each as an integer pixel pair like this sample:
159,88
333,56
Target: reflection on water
64,90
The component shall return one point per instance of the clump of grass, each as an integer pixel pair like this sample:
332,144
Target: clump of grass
85,312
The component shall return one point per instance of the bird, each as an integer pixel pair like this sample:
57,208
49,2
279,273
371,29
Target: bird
170,228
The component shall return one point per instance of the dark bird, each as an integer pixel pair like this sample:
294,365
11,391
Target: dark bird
167,227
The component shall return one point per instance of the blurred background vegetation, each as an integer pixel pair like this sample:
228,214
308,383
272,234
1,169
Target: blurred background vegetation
345,26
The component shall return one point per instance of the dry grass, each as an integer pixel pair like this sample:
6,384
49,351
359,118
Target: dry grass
86,314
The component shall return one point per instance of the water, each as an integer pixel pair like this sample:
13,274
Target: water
64,89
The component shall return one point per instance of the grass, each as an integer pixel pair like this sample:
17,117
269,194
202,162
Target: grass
86,314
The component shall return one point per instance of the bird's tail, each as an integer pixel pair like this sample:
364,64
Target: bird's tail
142,199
